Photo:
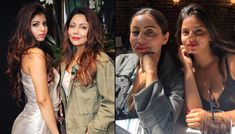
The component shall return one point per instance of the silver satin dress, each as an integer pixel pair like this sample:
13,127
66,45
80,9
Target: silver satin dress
30,120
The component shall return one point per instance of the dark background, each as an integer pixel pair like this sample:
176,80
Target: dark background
222,11
8,108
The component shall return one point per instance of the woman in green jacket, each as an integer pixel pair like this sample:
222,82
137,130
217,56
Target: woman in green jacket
87,76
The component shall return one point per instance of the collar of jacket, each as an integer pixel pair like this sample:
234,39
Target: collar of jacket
126,63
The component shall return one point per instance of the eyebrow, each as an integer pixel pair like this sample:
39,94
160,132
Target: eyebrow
35,21
150,27
38,21
200,26
79,24
144,27
197,27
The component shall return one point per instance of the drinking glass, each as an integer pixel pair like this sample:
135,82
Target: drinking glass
218,125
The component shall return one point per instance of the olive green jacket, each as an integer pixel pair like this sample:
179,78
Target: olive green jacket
91,107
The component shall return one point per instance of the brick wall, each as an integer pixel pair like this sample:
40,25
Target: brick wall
222,10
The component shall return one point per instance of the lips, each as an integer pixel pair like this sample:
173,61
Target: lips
75,38
42,35
192,45
142,49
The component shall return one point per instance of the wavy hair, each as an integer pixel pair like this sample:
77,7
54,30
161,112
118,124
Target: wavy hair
88,59
219,45
21,41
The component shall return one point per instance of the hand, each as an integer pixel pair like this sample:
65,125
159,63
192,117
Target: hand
185,58
149,61
87,131
195,118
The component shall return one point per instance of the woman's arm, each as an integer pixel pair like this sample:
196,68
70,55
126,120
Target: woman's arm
148,65
192,96
37,70
158,107
196,116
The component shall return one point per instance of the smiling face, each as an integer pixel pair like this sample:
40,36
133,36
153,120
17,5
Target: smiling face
39,27
194,35
78,30
146,35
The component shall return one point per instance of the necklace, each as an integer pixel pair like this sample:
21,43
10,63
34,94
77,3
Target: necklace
210,83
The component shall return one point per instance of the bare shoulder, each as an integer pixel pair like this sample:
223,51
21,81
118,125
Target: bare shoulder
231,64
34,54
32,58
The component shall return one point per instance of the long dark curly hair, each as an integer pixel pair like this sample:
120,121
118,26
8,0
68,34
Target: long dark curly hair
88,59
220,45
21,41
223,45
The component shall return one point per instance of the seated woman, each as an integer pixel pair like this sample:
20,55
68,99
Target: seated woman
209,66
149,86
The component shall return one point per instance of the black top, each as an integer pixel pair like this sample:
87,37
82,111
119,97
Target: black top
227,98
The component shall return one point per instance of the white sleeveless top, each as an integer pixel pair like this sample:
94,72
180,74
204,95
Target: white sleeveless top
30,120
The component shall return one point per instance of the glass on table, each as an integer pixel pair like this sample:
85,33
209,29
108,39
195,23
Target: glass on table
217,124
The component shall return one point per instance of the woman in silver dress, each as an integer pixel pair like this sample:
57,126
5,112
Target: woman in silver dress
31,71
